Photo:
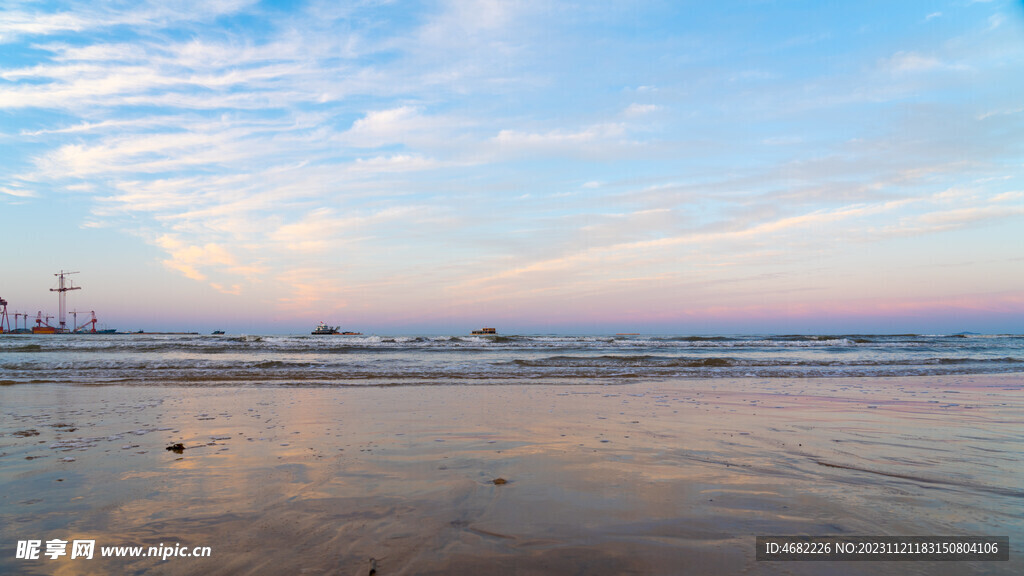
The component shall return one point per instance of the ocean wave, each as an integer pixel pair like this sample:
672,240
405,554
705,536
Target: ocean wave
667,362
130,344
25,348
150,359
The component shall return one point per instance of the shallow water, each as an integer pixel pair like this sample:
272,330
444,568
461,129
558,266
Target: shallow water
645,478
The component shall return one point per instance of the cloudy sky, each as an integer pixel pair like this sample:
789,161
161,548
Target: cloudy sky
662,166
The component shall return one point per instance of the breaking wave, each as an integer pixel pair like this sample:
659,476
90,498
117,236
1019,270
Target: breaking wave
466,359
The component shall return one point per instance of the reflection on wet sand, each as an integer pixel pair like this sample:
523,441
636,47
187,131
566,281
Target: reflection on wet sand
659,478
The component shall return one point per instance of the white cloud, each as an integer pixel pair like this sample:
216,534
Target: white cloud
82,128
818,228
959,217
912,62
1004,112
28,20
397,163
560,138
1016,196
641,109
17,192
15,24
381,127
189,259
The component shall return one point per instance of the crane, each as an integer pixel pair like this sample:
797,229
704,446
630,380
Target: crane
4,321
63,288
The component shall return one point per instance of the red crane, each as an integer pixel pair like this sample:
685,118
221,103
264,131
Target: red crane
74,322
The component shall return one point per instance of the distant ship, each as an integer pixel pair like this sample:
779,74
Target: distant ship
325,330
485,332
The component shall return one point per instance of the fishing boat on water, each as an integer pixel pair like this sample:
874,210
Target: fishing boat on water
485,332
323,329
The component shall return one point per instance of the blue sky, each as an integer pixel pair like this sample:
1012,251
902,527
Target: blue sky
539,166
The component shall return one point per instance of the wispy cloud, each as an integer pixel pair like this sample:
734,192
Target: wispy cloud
188,259
29,19
16,192
598,138
914,62
641,109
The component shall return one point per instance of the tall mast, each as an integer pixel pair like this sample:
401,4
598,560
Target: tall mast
3,317
62,289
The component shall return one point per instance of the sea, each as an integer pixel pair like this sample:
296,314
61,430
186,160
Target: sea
377,360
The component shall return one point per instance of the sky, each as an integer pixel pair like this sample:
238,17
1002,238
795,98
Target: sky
537,166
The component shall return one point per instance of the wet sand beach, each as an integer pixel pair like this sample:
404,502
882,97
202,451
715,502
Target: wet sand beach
663,477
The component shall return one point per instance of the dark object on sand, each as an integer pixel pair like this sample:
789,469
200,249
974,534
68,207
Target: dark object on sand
500,481
177,448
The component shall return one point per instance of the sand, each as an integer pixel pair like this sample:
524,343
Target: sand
649,478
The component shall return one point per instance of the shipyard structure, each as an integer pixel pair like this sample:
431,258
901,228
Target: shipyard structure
42,323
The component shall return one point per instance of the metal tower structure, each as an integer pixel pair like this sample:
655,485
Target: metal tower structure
74,321
5,323
63,288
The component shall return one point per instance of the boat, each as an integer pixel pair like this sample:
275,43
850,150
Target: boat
325,330
485,332
217,332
